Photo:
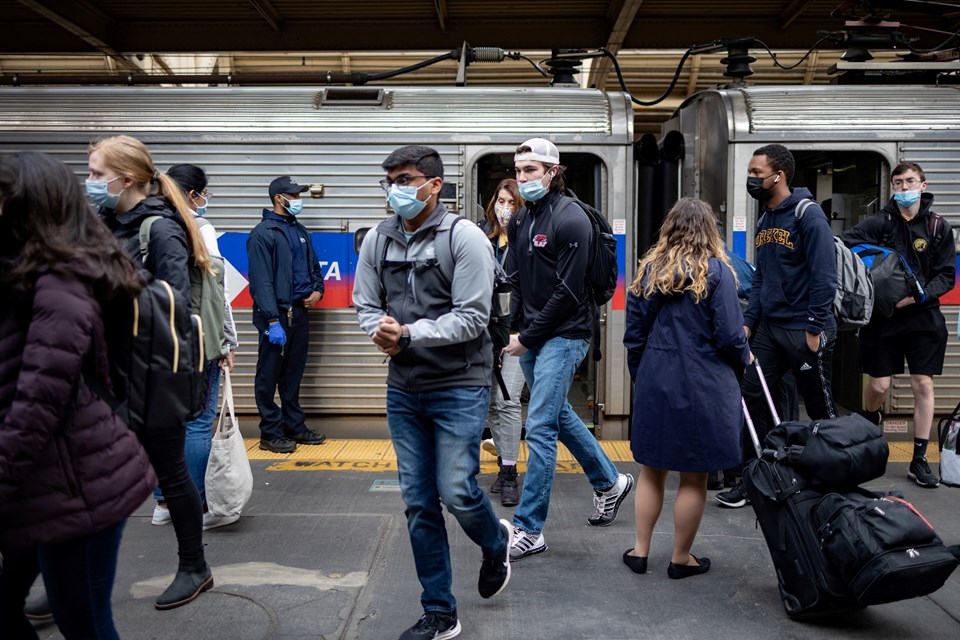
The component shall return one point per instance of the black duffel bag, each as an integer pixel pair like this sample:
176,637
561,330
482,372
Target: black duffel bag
837,453
881,546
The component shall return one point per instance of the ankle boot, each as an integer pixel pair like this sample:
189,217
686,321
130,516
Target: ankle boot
498,481
509,487
186,586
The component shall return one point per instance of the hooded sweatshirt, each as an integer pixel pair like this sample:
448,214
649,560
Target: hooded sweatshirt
796,278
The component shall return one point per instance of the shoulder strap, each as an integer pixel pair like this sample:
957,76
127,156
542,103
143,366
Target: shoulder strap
934,226
145,227
801,208
446,259
380,263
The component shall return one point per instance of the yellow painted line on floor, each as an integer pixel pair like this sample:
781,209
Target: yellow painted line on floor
378,455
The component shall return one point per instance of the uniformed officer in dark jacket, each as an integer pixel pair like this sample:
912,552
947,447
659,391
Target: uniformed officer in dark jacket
285,280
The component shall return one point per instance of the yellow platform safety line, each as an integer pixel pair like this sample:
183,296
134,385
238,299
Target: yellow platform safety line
378,455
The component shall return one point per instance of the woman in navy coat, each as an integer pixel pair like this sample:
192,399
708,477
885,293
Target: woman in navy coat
686,349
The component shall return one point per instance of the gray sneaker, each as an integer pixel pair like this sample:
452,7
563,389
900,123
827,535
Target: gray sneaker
920,473
608,502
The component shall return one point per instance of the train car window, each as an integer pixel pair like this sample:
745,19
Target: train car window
848,184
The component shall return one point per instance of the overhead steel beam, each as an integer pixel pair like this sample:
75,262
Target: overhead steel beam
268,12
622,19
793,11
160,62
56,12
441,6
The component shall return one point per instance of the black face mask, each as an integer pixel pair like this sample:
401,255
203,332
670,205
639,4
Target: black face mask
756,189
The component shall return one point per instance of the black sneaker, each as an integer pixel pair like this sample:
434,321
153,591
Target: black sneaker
733,499
434,625
495,572
920,473
873,416
278,445
308,437
608,502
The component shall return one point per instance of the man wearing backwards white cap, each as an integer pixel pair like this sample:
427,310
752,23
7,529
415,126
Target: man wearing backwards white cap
549,305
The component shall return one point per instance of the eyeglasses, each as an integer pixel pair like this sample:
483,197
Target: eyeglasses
401,181
203,194
910,182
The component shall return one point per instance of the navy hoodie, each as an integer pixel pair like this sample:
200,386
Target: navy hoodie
796,277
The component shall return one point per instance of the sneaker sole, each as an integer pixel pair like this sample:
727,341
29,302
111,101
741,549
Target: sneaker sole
224,523
160,523
732,505
616,507
509,528
449,633
925,485
489,447
531,552
206,586
273,450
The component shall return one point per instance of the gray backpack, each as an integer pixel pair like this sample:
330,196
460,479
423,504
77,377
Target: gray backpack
853,302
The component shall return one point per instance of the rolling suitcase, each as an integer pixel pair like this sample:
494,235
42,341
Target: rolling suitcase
783,502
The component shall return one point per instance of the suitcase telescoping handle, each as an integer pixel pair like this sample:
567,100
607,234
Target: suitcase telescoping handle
746,414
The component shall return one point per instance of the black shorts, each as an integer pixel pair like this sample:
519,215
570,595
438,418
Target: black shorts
921,338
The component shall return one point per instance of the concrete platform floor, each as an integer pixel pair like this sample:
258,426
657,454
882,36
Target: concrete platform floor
322,552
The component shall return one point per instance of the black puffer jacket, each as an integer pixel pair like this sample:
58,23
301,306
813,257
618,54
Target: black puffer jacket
68,465
168,253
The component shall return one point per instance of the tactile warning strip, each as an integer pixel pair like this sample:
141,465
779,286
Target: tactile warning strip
378,455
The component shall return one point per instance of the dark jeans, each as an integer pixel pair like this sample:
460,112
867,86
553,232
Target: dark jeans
165,448
436,435
779,350
78,576
281,368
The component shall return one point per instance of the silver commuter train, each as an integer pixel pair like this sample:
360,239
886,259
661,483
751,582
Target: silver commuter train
846,138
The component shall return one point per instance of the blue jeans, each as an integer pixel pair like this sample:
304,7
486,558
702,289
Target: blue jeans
197,444
436,435
78,577
549,371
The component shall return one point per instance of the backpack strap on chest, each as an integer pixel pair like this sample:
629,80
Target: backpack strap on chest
444,250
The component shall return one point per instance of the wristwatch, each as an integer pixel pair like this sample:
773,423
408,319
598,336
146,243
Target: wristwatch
404,340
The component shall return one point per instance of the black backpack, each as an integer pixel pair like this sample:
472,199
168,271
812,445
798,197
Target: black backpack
602,271
156,359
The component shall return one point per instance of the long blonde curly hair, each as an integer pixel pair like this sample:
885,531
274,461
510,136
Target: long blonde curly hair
679,261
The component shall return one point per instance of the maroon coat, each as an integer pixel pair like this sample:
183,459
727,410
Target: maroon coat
68,465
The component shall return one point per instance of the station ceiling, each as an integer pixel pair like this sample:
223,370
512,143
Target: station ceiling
95,39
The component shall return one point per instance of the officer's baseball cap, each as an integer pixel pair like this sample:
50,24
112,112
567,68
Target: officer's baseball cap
286,184
541,150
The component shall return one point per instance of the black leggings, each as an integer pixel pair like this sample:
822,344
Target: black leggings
164,447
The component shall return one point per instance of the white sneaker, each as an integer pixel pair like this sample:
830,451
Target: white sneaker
489,446
161,516
211,521
526,544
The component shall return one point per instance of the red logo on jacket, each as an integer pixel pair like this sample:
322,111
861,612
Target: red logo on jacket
540,240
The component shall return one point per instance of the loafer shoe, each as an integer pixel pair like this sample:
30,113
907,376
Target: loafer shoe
308,437
185,588
278,445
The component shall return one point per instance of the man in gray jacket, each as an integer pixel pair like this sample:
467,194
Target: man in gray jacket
423,290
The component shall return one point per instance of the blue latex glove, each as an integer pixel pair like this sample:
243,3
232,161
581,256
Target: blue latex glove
276,334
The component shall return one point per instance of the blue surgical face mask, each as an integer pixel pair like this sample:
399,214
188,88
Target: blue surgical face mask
404,201
100,196
906,198
534,190
202,210
293,207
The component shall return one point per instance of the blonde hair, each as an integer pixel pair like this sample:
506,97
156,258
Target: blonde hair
129,157
679,261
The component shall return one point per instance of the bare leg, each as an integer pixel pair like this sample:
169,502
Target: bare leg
923,405
874,392
687,513
648,503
